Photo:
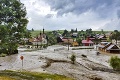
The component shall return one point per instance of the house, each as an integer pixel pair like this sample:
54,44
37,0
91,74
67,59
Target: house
113,49
103,45
74,35
103,38
67,41
108,47
39,40
87,42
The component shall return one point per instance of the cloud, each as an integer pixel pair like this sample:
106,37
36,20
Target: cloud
118,13
70,14
81,6
113,24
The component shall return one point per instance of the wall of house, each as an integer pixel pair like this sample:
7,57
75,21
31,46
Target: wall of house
39,43
87,44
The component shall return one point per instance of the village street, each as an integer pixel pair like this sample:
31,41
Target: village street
56,59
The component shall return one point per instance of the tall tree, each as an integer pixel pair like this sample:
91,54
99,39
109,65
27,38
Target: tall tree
13,24
65,32
115,35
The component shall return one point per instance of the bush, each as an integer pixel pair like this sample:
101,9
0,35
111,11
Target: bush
73,58
45,46
3,55
115,62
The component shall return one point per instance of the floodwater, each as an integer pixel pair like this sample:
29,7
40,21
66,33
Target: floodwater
34,60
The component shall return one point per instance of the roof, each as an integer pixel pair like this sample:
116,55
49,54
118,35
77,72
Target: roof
111,46
87,41
99,45
104,44
101,37
66,40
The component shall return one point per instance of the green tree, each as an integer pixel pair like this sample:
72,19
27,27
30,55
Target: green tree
65,32
13,24
73,58
79,41
115,62
115,35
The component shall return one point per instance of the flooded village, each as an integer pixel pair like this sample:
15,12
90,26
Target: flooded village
92,58
59,40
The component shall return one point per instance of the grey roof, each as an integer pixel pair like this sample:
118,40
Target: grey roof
110,47
99,45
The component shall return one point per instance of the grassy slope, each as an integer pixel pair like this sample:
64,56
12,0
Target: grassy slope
13,75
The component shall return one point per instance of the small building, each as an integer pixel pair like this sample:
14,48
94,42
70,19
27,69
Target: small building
108,47
87,42
39,42
103,38
113,49
74,35
67,41
103,45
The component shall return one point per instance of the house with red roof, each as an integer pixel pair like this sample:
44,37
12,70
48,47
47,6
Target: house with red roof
87,42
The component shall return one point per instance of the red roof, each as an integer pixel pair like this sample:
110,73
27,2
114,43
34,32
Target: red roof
87,41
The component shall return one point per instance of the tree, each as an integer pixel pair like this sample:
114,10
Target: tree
72,30
115,35
76,30
65,32
32,29
73,58
13,24
115,62
79,41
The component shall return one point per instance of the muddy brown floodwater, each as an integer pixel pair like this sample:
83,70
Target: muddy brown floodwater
56,60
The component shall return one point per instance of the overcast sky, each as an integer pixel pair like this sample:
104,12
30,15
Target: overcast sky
72,14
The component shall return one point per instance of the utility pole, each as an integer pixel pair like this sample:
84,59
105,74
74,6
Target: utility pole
68,43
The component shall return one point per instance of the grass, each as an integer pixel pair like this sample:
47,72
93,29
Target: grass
13,75
6,78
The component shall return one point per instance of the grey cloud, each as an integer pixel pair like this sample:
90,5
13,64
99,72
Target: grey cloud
118,14
81,6
97,14
112,25
49,15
